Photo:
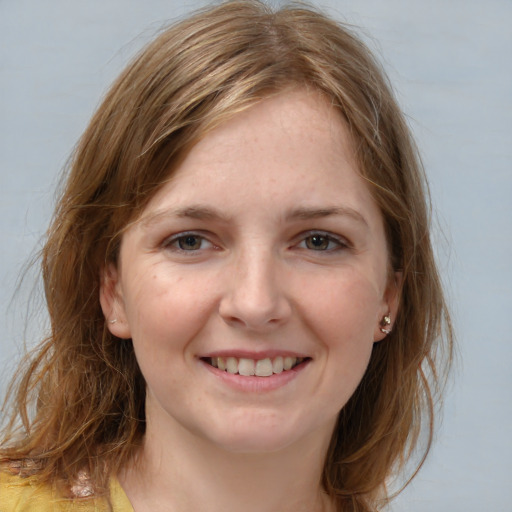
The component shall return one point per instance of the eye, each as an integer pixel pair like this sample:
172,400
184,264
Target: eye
188,242
320,241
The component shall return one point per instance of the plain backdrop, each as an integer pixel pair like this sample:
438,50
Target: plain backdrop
450,62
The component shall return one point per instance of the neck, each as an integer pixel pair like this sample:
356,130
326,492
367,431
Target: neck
186,473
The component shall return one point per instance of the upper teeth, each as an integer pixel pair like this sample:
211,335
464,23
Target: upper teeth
259,367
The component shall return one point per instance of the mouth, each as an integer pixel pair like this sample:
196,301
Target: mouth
255,367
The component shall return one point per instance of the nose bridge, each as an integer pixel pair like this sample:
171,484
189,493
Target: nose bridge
255,296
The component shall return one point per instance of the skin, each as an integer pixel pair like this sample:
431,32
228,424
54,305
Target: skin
266,241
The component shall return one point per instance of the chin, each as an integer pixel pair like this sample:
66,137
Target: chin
252,443
266,434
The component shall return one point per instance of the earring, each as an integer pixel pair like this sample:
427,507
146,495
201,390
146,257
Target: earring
112,321
386,320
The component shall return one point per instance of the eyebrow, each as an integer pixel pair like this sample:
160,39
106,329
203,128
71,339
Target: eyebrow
200,212
191,212
317,213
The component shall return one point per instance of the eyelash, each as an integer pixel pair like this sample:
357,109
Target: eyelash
334,243
338,242
174,242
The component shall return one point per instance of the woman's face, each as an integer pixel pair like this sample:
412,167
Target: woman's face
264,251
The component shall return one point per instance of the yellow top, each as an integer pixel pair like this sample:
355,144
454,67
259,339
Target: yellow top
19,494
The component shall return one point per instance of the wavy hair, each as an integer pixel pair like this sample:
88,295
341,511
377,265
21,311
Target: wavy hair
86,385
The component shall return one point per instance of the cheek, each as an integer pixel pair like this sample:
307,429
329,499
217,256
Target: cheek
165,311
342,319
344,307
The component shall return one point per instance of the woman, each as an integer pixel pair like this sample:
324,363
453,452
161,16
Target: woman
245,308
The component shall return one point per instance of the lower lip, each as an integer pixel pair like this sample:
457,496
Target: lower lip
253,384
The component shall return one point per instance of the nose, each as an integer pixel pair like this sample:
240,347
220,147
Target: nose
255,294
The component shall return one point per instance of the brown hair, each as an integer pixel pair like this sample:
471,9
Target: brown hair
88,389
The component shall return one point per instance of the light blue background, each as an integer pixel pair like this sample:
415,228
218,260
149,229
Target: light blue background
451,64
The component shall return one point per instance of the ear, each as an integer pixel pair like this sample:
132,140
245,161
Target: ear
390,304
112,304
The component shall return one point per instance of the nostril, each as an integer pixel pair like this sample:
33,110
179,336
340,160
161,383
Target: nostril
255,299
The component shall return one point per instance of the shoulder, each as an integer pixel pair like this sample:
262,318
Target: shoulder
20,494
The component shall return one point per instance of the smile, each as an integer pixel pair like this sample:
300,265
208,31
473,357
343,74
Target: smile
255,367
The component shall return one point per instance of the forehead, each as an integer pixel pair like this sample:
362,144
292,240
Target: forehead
294,115
290,150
